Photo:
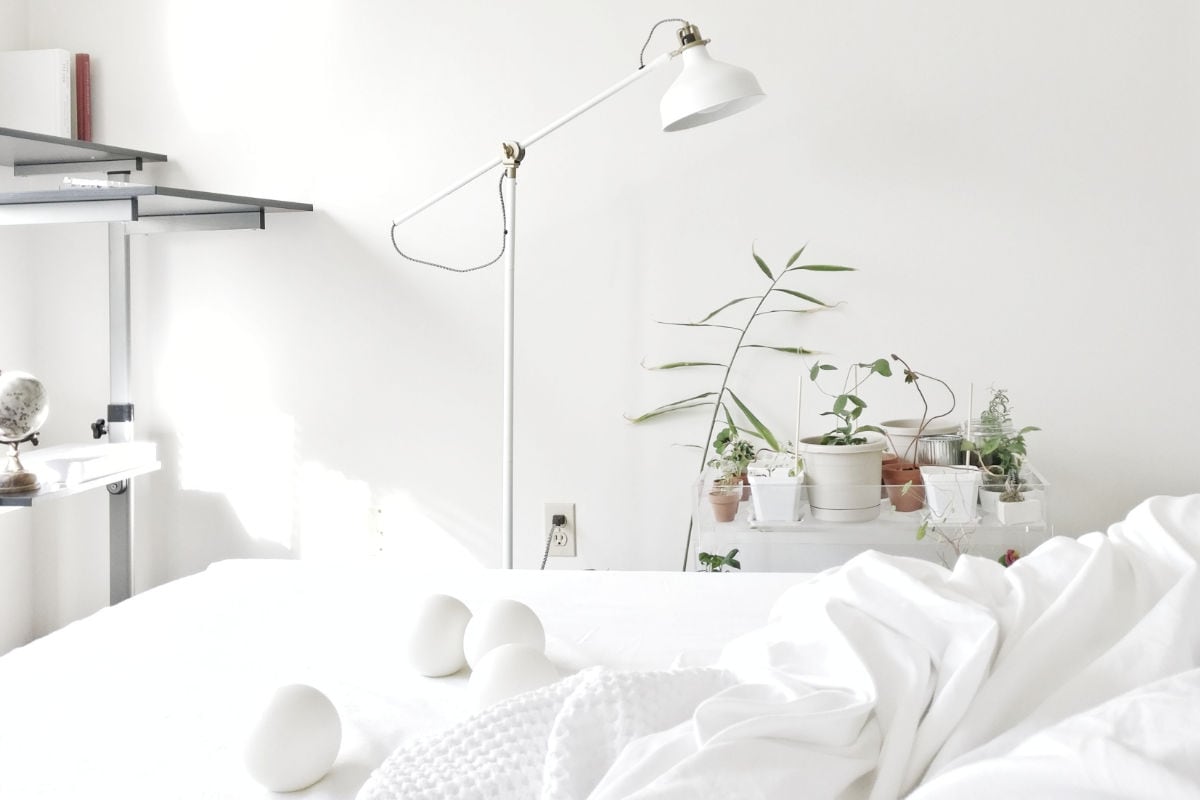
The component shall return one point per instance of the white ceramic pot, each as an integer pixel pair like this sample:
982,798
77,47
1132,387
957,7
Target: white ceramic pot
1025,512
988,497
843,480
903,432
951,492
777,499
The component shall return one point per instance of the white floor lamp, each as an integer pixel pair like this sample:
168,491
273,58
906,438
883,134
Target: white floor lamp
705,91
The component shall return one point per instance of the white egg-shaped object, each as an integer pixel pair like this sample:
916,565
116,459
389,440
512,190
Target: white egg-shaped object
295,739
508,670
503,622
435,644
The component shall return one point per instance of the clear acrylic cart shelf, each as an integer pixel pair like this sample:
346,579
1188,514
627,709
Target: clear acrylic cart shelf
812,545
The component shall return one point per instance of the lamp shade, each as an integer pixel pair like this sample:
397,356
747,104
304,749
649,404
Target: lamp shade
707,90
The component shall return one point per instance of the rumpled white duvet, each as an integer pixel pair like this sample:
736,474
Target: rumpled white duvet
1071,674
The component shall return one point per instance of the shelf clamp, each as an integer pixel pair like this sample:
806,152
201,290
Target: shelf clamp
116,413
118,487
120,413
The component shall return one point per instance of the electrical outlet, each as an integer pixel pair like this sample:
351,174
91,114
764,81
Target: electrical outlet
562,538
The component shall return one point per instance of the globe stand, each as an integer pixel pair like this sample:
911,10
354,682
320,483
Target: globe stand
15,479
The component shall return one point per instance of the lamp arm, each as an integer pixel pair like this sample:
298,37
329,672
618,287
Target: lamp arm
539,134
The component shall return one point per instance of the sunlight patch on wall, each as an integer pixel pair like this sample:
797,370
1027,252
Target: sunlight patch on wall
233,440
334,515
257,479
411,535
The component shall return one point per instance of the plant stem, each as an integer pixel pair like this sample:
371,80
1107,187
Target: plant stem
712,423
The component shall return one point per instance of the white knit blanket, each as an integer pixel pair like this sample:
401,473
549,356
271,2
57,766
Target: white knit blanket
556,742
1072,674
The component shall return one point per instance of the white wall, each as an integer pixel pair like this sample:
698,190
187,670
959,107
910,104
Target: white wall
1016,182
16,351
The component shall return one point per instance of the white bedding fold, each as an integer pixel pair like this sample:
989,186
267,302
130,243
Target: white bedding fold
886,673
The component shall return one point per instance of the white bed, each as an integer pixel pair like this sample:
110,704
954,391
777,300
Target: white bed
1073,674
150,698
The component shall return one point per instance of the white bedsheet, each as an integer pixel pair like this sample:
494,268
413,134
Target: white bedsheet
150,699
1071,674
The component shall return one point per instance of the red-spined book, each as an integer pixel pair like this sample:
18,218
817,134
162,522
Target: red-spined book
83,97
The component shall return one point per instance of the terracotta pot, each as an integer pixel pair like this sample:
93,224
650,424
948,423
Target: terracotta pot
895,476
724,504
745,479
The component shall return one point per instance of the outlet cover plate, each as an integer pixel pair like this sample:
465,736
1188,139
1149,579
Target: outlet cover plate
562,541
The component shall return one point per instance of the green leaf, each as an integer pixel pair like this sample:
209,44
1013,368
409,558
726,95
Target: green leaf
812,373
658,412
762,265
816,310
701,325
880,366
796,351
806,297
871,428
922,530
767,436
795,256
680,364
731,303
678,405
825,268
839,405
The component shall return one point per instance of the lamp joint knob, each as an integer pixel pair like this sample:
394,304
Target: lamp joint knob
513,154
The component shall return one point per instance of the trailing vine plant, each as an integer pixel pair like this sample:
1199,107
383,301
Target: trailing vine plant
723,401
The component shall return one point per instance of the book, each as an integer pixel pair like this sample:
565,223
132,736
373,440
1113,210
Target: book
35,91
71,182
83,97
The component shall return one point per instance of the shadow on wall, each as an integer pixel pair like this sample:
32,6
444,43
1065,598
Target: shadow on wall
225,503
280,401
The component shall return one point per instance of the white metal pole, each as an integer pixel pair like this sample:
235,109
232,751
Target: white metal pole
510,264
120,502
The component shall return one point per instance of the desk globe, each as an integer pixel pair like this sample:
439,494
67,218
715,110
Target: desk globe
23,411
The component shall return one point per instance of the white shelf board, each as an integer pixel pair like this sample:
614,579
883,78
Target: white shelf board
140,205
53,491
37,153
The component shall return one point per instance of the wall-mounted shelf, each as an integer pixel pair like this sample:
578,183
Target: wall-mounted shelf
31,153
70,469
145,209
127,209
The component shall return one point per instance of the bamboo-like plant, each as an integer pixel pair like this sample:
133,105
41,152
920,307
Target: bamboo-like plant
723,401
